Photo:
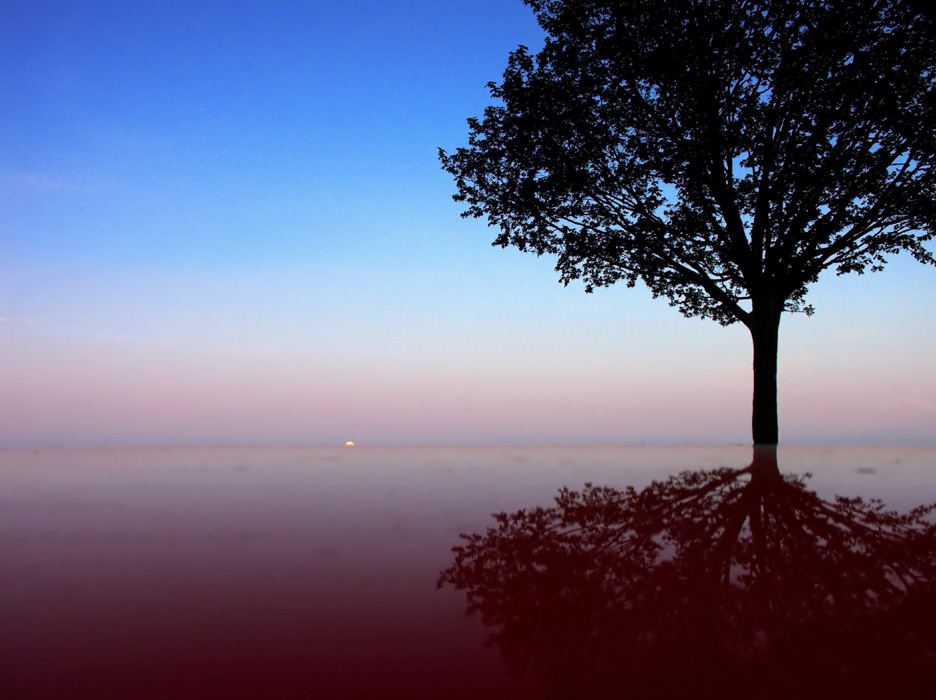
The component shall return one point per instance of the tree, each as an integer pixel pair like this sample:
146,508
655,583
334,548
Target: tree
729,583
723,152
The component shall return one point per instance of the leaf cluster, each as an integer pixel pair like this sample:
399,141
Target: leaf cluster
722,152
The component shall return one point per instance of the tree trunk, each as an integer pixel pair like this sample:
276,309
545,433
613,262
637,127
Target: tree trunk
764,333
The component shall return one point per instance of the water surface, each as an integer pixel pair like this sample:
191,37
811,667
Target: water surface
308,572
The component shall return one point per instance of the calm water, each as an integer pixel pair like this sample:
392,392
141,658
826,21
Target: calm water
277,573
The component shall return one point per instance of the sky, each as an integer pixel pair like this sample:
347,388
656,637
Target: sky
225,223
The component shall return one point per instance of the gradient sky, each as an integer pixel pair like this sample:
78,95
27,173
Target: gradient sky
225,223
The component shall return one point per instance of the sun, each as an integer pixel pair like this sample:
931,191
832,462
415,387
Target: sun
349,444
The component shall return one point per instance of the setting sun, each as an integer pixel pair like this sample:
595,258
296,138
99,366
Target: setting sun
349,444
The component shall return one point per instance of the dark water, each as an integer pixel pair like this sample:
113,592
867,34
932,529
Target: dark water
279,573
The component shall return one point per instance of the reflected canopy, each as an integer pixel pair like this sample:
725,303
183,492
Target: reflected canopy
726,582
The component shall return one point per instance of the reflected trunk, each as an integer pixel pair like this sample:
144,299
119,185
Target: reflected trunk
764,461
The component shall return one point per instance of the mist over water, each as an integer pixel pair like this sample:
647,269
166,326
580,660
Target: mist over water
305,572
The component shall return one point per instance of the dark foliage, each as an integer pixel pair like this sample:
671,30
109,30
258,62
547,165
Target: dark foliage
723,152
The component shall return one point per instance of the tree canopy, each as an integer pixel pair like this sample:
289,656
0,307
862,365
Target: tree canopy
722,152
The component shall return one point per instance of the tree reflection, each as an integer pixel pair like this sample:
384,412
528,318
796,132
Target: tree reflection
735,583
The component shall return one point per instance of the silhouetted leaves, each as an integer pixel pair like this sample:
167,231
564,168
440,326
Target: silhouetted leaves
718,151
724,153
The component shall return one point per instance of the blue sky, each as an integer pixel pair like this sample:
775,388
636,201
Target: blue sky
225,223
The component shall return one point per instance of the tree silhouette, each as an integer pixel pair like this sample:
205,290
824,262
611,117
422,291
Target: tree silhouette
724,153
736,583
